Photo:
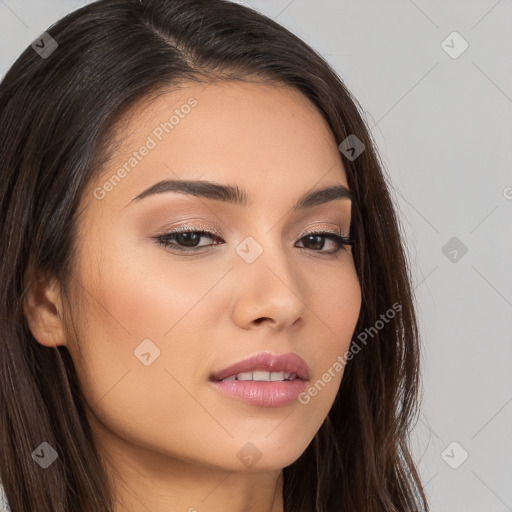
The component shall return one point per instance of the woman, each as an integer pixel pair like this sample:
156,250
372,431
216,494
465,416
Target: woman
206,303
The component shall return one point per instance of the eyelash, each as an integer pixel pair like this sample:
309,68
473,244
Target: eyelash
341,241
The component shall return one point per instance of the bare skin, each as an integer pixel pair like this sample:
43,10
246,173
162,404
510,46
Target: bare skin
169,440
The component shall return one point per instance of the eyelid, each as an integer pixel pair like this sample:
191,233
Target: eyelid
191,227
335,230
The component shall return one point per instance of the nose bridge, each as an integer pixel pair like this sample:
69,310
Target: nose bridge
266,279
263,240
265,252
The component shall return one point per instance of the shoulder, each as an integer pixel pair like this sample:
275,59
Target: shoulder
4,506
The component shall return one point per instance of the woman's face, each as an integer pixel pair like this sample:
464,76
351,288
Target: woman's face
160,322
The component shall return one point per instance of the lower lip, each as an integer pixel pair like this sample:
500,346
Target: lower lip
262,393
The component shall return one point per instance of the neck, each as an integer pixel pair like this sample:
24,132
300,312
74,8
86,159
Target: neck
180,486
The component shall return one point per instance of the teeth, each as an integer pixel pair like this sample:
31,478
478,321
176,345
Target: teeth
261,375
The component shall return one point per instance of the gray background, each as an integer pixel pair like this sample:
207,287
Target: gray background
443,127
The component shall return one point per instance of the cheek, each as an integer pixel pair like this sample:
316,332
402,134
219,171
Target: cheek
136,313
337,305
148,314
340,303
149,294
335,302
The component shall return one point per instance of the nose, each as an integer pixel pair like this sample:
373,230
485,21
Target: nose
267,290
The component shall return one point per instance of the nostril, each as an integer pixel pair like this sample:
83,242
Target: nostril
260,320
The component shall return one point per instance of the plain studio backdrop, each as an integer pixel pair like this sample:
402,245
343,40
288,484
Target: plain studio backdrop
435,80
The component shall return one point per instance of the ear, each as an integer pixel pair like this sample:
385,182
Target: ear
42,305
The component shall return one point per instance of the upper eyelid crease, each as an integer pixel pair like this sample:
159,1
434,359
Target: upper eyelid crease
235,195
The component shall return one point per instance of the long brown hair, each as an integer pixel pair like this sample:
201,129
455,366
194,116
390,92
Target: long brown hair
56,119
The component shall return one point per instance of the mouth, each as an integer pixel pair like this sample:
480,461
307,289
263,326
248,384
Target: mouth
262,376
266,380
265,367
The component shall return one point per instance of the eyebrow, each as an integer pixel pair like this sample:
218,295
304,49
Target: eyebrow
234,195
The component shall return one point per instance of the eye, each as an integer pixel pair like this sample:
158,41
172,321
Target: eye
317,240
187,239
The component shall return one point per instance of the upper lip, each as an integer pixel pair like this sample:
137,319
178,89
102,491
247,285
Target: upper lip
288,363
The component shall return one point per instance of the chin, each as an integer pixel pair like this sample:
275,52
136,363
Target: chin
266,454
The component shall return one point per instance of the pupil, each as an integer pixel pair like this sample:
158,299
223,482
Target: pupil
186,237
320,242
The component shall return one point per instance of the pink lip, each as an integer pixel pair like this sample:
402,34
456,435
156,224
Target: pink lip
264,393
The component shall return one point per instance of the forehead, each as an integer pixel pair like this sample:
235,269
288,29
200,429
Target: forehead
256,135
